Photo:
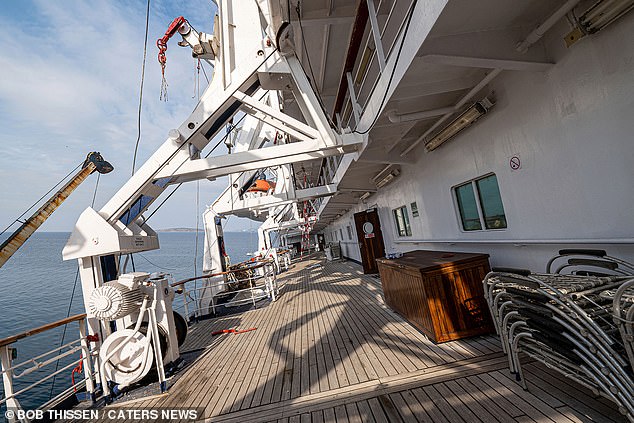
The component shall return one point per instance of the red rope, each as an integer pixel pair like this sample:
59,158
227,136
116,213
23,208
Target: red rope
78,369
235,331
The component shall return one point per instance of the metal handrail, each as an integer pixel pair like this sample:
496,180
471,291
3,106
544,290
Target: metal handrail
40,329
270,286
8,369
37,365
212,275
365,57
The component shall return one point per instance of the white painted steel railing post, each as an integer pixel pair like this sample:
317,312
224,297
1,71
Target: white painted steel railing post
7,380
269,279
185,306
274,287
376,34
252,296
87,362
197,301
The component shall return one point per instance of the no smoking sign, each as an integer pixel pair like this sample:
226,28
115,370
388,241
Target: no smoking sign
515,163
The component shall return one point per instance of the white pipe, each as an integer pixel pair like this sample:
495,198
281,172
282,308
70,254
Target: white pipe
406,117
539,32
459,104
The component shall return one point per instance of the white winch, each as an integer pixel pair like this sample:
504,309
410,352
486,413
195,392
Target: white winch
130,357
114,300
141,306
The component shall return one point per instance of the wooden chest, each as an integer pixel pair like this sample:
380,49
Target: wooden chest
439,292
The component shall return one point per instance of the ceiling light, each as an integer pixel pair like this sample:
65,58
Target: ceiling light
365,196
467,117
386,176
597,17
603,13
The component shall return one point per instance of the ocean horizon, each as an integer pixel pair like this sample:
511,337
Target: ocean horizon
38,287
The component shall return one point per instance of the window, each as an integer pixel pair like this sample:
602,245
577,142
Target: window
349,232
403,227
480,204
341,234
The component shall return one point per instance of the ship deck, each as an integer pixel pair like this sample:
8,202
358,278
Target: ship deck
330,350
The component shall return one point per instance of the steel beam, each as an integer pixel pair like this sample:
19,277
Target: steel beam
214,167
275,200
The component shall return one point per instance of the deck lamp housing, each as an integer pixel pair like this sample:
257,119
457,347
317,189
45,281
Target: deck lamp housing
386,176
466,118
365,196
601,14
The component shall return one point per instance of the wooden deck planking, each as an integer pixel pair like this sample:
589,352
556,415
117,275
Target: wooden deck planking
330,350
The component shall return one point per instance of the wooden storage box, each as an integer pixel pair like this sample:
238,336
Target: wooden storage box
439,292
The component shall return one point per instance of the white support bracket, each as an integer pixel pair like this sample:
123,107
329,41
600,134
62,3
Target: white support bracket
274,200
215,167
356,109
376,34
276,119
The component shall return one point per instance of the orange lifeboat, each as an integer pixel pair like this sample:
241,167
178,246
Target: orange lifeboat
261,185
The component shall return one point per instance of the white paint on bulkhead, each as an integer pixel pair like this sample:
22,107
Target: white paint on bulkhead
573,128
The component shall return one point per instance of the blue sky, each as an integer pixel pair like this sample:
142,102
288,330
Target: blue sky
69,84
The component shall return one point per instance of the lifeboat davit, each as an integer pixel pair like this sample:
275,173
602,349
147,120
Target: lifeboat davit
261,185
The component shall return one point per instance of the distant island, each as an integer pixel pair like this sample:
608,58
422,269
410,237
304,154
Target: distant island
179,230
201,230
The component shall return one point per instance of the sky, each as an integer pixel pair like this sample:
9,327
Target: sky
70,75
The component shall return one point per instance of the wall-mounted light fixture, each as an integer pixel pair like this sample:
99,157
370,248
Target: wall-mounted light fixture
598,16
466,118
386,176
365,196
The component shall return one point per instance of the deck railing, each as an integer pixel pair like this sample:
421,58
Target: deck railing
198,302
13,370
383,25
386,21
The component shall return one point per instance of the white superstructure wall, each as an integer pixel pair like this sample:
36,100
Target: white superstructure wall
572,128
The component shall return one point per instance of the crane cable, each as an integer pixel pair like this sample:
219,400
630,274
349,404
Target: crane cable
233,128
389,83
72,296
313,82
138,137
41,198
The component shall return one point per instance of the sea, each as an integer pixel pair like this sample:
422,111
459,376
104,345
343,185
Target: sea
37,287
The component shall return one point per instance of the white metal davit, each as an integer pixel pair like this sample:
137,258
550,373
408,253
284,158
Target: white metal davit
249,71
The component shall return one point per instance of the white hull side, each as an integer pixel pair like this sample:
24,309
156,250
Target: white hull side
572,127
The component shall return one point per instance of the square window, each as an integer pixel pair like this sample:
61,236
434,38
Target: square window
468,207
401,218
480,204
491,202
